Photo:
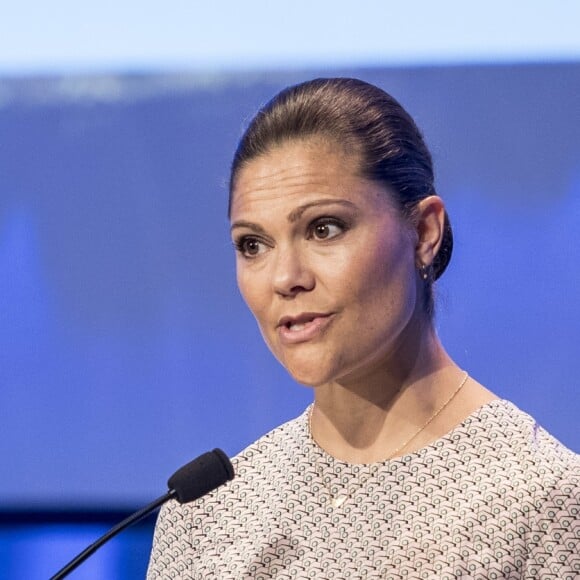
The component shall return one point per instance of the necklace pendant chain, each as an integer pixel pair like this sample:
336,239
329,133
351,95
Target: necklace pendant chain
338,500
431,418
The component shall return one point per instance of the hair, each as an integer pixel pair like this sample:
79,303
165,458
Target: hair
362,119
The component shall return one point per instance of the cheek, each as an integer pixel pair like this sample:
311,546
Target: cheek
245,286
252,289
386,278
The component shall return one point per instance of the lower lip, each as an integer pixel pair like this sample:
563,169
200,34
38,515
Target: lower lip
311,330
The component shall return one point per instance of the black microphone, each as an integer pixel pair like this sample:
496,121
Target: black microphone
190,482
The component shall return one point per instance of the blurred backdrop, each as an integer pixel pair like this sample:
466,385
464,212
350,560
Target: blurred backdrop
125,349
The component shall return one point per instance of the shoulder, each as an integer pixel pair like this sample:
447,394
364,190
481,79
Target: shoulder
538,450
506,432
540,471
548,492
261,472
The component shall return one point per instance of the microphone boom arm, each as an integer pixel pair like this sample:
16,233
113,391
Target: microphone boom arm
190,482
63,572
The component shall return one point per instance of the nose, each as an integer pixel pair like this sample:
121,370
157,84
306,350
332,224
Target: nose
291,274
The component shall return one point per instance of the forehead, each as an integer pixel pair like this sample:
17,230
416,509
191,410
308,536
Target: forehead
293,172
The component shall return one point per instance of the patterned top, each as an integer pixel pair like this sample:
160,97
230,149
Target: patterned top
497,497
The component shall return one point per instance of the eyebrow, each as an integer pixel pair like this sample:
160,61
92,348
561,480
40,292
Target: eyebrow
250,225
294,215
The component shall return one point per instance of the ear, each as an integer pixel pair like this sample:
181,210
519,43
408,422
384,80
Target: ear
429,220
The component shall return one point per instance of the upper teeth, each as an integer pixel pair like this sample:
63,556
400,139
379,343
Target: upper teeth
297,325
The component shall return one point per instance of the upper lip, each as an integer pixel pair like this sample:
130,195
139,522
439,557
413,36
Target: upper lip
301,318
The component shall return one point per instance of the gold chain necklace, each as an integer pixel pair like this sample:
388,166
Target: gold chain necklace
338,499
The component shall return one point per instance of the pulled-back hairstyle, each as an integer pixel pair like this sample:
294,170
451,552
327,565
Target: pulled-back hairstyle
365,121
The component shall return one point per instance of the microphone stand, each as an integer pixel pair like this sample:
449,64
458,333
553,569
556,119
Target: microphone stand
190,482
63,572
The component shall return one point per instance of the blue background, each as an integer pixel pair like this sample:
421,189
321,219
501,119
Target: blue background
125,349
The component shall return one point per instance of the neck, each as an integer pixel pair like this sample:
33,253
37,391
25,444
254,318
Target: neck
368,417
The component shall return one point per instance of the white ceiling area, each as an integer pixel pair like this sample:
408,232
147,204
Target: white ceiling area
67,36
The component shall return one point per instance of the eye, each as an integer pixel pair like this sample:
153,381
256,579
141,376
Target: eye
249,246
326,228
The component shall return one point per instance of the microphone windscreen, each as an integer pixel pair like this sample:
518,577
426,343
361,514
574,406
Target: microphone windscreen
200,476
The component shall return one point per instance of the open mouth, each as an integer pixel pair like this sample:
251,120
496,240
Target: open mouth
298,325
300,322
303,327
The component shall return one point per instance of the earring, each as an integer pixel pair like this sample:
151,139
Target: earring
424,272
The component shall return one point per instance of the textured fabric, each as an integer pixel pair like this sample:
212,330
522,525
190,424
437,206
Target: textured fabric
497,497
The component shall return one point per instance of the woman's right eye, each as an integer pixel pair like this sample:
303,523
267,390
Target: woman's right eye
250,247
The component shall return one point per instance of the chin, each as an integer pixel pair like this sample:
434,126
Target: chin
311,365
310,374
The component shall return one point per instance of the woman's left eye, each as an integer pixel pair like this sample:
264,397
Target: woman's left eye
326,229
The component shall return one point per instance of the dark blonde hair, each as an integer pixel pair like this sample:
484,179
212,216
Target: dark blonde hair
362,119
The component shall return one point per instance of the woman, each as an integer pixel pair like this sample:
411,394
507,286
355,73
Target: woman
404,466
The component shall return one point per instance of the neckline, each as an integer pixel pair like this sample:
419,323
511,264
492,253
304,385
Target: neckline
406,457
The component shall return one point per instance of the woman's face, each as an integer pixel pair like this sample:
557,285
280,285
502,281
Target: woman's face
324,262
